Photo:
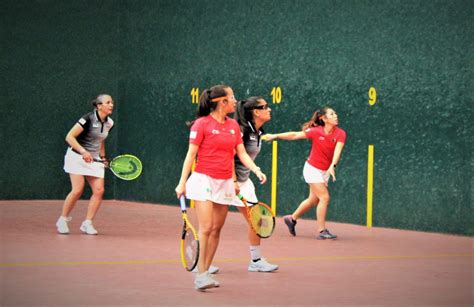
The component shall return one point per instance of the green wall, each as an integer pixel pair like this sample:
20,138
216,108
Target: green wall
150,54
55,57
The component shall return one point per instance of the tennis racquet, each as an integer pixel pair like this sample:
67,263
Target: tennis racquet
260,216
189,240
126,167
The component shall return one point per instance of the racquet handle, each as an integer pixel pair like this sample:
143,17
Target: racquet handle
101,161
241,197
182,202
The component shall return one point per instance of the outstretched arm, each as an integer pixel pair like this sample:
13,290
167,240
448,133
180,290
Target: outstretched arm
287,136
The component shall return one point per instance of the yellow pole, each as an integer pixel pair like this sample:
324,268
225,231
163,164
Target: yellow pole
191,204
370,183
274,175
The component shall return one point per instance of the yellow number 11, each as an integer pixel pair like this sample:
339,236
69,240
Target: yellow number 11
194,95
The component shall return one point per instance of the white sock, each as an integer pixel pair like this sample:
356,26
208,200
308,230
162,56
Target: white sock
255,252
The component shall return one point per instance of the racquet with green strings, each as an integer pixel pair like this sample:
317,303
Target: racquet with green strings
126,167
260,217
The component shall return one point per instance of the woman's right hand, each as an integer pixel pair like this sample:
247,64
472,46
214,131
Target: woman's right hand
261,176
180,190
86,156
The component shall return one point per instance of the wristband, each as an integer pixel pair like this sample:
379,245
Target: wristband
82,151
256,170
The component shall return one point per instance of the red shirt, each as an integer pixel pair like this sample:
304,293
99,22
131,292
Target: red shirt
323,145
217,144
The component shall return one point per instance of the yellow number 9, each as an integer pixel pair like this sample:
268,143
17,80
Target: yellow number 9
372,96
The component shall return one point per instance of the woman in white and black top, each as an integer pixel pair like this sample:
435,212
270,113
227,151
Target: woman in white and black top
86,142
251,114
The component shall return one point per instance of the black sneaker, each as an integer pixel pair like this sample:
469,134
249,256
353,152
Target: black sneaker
325,234
290,223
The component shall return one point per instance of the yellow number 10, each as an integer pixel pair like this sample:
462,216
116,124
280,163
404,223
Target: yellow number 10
276,94
195,95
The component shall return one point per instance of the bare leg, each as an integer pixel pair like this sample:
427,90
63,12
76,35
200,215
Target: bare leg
322,192
306,205
204,215
77,184
97,186
219,216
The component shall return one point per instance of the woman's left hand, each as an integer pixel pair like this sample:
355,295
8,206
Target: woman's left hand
236,188
261,176
332,171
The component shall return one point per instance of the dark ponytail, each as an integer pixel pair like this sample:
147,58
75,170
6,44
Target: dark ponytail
207,102
316,119
244,114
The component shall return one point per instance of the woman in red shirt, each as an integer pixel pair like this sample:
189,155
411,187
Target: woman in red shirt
327,144
214,138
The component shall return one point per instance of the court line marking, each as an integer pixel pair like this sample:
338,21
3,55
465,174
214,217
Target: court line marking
233,260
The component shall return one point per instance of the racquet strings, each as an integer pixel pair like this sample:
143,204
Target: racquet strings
262,220
126,166
190,249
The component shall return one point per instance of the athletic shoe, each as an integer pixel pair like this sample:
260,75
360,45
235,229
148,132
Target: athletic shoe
216,282
61,225
262,266
291,224
88,228
212,269
203,281
325,234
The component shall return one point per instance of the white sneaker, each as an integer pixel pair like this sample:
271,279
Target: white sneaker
202,281
262,266
212,269
216,282
88,228
61,225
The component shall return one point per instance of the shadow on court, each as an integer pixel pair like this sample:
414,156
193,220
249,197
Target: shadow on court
135,261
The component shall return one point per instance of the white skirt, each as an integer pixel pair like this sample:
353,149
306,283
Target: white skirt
312,174
201,187
74,164
247,190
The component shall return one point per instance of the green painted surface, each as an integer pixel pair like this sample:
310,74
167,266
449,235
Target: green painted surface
149,55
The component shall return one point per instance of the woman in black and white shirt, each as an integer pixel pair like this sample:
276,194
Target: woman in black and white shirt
251,114
86,140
